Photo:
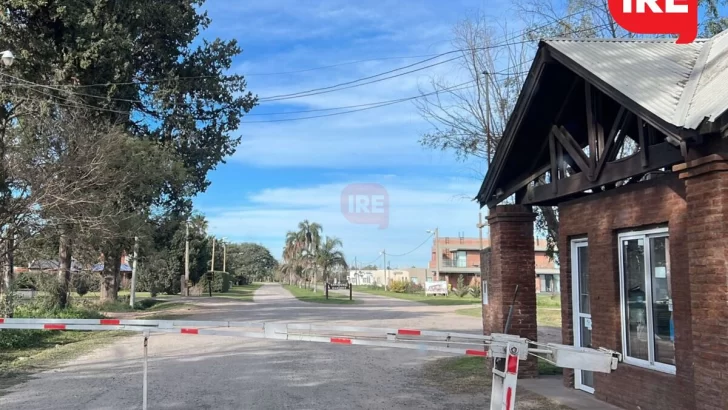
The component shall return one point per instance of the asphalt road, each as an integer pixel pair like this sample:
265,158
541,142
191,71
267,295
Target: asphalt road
209,372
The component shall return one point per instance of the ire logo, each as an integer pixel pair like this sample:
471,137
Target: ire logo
366,204
658,17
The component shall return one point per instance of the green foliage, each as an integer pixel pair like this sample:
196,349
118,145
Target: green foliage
461,290
220,282
249,262
475,291
84,282
398,286
14,339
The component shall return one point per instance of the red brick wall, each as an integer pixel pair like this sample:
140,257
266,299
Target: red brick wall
511,264
706,181
600,218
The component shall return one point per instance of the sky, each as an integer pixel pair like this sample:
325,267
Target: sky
288,171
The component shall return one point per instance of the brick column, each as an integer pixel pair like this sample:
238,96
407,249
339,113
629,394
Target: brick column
512,262
706,187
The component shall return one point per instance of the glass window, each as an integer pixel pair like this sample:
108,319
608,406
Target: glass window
648,332
462,259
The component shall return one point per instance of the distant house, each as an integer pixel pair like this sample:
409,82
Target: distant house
461,256
50,265
380,276
124,271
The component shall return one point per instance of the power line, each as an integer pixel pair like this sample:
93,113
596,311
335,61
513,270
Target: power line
504,41
368,106
418,247
357,83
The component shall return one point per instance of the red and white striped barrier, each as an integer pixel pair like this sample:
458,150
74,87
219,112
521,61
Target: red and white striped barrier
507,350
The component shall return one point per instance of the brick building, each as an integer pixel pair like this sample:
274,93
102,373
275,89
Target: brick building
461,256
628,138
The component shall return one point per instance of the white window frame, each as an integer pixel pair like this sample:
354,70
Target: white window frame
645,235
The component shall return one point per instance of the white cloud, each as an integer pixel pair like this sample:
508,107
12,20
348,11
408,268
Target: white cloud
415,205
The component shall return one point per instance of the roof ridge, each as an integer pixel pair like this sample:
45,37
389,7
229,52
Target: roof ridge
691,87
626,40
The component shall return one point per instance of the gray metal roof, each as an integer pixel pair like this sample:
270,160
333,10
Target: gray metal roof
682,84
711,97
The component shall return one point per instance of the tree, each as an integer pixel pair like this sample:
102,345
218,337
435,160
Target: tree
250,261
309,238
370,267
330,257
470,120
141,64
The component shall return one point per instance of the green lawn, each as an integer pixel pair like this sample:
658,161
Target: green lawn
474,312
548,310
244,293
451,299
308,295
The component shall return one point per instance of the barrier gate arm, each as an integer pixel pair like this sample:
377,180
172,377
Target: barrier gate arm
506,350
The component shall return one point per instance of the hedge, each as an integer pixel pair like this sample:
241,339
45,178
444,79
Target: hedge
220,282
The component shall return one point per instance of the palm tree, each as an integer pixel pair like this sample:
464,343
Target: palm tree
310,234
329,256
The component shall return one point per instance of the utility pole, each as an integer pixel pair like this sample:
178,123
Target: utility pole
187,258
224,256
212,262
386,282
488,139
132,294
480,227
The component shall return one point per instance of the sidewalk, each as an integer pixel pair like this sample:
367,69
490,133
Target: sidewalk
553,388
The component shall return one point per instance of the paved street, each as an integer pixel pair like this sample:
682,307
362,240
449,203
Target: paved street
207,372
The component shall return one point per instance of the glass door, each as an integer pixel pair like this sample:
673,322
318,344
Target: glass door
583,380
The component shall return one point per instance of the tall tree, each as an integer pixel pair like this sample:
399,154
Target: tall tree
250,261
330,257
309,233
141,63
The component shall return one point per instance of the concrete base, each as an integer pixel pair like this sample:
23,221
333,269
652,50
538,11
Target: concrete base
552,387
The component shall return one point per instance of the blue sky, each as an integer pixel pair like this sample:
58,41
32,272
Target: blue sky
285,172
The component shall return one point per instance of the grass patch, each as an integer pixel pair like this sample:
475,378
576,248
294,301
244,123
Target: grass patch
468,375
308,295
548,300
548,369
243,293
548,317
474,312
450,300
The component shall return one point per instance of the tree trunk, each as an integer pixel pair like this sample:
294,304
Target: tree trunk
8,276
64,267
110,275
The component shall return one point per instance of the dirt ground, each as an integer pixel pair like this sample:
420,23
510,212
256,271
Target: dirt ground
212,372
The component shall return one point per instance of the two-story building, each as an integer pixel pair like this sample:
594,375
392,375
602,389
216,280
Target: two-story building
461,256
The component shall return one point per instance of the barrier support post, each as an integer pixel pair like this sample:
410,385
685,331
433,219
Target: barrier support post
144,387
350,290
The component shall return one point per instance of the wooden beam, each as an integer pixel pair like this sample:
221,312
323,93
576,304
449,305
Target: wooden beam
554,163
662,155
573,148
599,117
619,121
591,126
564,103
642,142
519,183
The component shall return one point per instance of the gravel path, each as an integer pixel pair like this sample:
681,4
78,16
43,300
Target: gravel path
207,372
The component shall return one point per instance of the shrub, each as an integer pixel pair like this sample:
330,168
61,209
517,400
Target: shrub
84,282
414,288
475,291
461,290
220,282
398,286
